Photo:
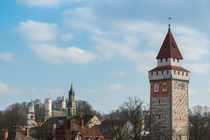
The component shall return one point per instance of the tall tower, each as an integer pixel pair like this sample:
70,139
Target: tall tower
71,107
30,115
169,93
63,103
48,108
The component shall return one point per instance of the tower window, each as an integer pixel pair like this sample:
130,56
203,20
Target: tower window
159,116
156,88
174,46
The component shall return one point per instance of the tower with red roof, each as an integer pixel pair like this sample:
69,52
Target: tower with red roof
169,93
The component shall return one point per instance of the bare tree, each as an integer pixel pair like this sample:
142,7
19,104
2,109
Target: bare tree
84,107
116,127
199,123
132,112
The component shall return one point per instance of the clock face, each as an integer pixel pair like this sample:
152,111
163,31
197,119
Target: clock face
156,88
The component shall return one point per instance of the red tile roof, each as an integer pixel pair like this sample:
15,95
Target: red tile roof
169,48
169,67
71,128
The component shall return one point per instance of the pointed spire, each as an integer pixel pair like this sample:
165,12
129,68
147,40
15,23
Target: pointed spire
169,48
71,90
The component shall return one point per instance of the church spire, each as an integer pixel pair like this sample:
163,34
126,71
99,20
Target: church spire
71,91
71,106
169,48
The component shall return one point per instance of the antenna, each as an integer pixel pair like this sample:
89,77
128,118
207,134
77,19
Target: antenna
169,25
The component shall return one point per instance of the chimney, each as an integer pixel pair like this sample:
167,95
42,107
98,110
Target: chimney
54,129
5,135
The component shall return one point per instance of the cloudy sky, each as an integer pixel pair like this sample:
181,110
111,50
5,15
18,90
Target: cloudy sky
105,47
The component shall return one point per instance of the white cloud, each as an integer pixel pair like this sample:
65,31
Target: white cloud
199,68
192,43
6,89
7,57
114,87
134,39
37,31
67,36
56,55
119,73
47,3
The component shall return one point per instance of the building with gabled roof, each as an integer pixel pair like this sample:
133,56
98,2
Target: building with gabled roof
75,130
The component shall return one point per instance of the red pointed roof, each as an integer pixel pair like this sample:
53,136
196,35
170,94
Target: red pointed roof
169,48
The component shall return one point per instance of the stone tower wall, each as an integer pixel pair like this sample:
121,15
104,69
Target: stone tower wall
30,116
48,108
180,109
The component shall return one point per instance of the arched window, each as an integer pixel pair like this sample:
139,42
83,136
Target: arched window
156,88
79,137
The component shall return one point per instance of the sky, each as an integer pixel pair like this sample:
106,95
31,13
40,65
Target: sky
104,47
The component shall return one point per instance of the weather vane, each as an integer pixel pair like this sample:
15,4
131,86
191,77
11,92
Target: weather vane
169,19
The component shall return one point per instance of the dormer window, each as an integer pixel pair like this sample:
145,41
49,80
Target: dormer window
174,47
178,60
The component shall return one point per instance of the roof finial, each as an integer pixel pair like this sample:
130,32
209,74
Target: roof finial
169,25
71,84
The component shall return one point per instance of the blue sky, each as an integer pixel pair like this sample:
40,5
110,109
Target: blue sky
104,47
